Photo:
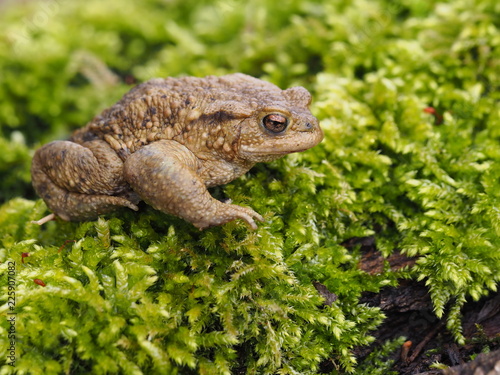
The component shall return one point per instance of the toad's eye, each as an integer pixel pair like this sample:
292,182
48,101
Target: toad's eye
275,123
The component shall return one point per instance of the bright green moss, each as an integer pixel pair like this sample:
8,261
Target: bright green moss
145,292
114,297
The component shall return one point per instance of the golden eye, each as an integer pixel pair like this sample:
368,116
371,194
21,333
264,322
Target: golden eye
275,123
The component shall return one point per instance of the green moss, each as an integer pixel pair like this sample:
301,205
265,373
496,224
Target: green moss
138,290
146,292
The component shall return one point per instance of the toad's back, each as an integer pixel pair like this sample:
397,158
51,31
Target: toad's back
171,108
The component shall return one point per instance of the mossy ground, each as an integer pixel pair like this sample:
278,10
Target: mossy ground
408,96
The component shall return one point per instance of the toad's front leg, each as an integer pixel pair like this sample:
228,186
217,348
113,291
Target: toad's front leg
164,174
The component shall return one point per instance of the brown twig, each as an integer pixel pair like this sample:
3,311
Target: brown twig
425,341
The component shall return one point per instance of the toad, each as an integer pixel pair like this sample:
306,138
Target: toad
168,140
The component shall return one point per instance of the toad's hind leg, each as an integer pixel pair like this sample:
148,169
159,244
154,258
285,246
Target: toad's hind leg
80,182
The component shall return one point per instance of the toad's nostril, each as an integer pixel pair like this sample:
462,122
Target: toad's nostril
306,127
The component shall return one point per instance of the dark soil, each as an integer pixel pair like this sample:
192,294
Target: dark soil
409,312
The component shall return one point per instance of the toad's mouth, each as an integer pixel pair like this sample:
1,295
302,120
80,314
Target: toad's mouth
281,149
270,152
277,147
265,155
274,152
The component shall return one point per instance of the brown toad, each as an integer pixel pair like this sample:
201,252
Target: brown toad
167,140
